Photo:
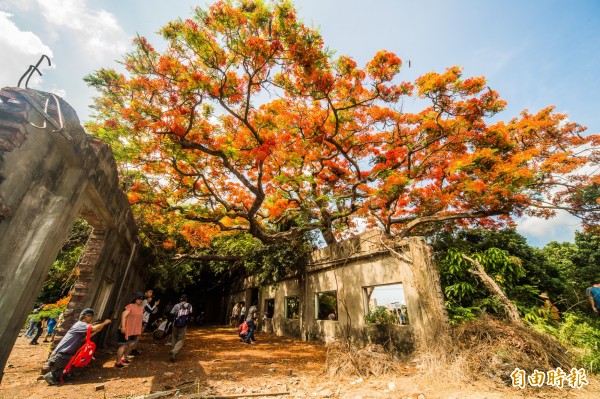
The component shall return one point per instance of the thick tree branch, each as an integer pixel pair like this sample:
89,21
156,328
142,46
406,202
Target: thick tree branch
511,309
442,218
226,258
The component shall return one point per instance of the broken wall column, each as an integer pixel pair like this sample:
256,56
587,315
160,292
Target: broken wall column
31,238
423,291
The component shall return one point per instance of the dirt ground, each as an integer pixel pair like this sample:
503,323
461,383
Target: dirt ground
214,362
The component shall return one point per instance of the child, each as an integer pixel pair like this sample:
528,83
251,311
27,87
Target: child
51,329
157,323
243,331
161,330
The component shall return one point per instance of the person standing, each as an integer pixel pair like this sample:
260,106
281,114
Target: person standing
235,314
594,295
242,312
129,329
41,326
32,324
51,331
69,344
180,315
550,311
250,320
149,308
401,316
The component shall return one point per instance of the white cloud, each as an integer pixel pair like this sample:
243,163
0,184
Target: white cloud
539,232
59,92
97,32
19,49
82,35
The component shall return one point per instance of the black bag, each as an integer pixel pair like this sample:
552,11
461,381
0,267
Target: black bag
182,316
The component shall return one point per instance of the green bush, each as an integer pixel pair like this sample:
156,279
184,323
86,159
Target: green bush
578,331
459,314
380,315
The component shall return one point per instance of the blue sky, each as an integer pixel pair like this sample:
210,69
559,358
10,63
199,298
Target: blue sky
535,53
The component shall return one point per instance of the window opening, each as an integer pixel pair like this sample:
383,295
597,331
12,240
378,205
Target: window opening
391,298
292,307
326,305
269,308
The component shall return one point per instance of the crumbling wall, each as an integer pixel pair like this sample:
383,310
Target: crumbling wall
51,173
349,268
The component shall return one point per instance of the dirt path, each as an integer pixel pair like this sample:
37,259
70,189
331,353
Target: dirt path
213,361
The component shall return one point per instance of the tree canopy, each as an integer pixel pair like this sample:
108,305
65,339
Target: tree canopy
245,123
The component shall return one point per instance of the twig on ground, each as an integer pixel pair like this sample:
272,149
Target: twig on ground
236,395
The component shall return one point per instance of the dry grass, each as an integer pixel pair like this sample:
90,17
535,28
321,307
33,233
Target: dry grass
372,360
483,349
493,348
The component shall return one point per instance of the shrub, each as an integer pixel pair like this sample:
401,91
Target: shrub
52,310
380,315
578,331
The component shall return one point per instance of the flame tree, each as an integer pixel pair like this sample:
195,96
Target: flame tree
246,124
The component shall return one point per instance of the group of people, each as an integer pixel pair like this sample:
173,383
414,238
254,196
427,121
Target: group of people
132,323
37,326
551,312
247,321
238,313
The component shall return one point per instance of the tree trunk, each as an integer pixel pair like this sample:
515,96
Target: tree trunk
328,236
511,309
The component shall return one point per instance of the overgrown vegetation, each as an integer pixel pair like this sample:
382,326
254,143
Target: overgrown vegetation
562,270
380,315
493,348
373,360
578,331
380,325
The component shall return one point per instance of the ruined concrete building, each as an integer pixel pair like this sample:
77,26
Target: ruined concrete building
331,297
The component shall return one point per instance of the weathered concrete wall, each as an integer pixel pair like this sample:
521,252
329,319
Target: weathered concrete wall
280,324
350,268
49,176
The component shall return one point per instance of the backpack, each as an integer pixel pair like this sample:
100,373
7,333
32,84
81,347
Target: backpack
83,356
182,316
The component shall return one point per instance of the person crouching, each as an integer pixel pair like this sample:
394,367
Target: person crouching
243,331
69,344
